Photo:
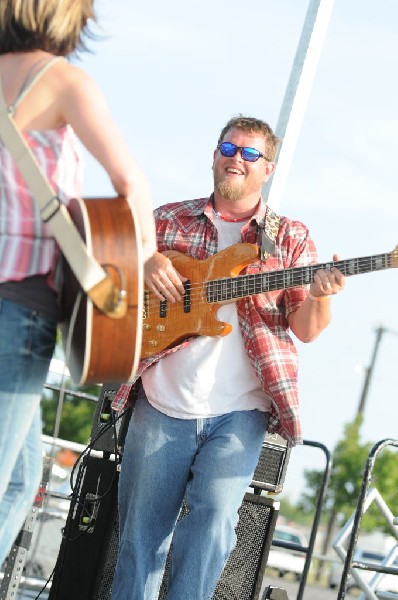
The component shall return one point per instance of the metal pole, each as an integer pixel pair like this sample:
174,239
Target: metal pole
369,371
297,94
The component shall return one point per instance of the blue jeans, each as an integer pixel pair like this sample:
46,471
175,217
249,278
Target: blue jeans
210,461
27,343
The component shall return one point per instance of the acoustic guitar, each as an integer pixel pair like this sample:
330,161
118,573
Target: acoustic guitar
98,348
216,280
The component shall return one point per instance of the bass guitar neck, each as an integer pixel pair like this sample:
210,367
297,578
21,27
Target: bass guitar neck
217,280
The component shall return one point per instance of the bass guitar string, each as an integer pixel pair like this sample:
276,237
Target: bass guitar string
294,276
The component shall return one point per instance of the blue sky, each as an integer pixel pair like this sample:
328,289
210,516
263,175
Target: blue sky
174,73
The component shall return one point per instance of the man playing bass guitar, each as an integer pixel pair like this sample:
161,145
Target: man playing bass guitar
205,403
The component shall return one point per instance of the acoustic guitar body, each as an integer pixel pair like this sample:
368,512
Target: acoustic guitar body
99,348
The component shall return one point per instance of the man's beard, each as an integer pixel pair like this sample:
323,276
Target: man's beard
229,191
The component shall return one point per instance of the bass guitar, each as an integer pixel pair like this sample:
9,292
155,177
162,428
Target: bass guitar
99,348
216,280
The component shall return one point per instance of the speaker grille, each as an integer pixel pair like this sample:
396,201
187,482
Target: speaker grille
87,559
103,583
85,568
271,467
242,575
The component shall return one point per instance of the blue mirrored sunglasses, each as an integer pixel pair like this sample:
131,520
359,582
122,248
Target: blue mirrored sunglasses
249,154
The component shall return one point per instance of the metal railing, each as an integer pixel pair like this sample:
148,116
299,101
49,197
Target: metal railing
366,496
308,550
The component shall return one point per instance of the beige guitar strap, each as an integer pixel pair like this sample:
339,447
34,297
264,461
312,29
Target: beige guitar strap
91,276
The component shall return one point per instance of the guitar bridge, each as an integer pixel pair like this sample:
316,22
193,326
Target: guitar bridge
187,296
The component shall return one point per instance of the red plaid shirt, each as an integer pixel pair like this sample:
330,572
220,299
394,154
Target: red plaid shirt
188,228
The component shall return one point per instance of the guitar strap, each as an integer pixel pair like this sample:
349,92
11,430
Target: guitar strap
268,237
91,276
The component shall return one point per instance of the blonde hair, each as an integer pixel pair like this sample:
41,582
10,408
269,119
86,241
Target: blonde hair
252,124
55,26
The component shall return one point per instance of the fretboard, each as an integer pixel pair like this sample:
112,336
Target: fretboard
231,288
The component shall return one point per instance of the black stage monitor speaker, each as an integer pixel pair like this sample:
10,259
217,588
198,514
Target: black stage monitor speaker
86,561
243,574
109,428
271,468
87,558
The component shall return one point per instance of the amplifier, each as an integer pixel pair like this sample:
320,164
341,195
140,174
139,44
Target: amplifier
87,557
109,428
87,560
242,577
271,468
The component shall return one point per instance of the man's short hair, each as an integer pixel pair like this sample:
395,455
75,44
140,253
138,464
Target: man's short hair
252,124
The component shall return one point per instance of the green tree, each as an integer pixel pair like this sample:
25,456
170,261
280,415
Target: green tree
349,462
349,458
77,413
293,513
385,479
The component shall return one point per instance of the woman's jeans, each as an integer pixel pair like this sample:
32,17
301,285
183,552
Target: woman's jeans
27,343
210,461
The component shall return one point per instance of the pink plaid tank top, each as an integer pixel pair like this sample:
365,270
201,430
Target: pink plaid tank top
26,246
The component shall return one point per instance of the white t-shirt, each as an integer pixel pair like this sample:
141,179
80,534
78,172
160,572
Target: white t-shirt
212,375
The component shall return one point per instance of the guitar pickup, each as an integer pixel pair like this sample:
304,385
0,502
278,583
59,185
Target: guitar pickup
186,301
163,308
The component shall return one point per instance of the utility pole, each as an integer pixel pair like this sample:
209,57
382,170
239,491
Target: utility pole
379,333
